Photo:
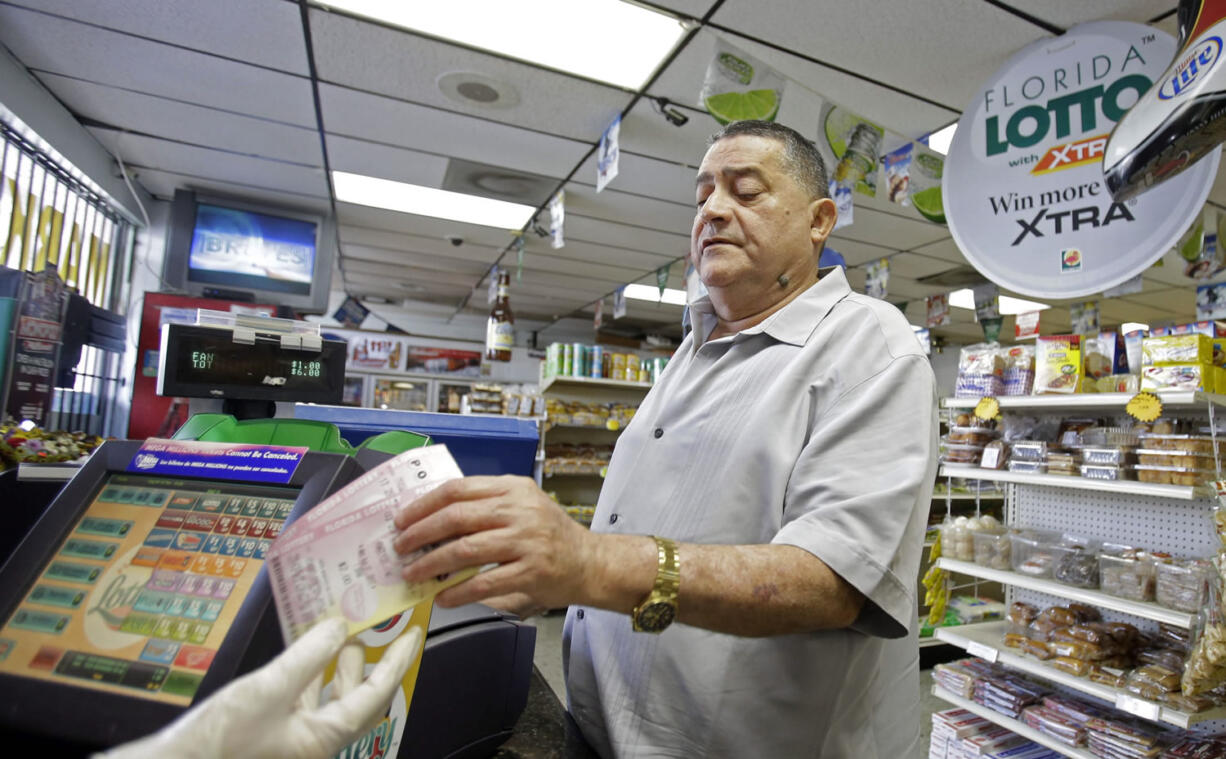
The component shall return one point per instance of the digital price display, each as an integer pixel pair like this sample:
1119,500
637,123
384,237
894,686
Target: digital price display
202,362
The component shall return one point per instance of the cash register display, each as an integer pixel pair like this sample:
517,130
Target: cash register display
140,594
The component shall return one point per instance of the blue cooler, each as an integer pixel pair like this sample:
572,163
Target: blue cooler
480,444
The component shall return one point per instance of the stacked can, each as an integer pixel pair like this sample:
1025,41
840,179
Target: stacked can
579,367
568,359
595,361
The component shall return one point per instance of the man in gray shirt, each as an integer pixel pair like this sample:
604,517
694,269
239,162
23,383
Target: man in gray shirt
770,495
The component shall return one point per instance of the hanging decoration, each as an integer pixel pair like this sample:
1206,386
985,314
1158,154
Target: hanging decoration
598,319
1211,302
662,278
557,214
987,302
1026,326
938,310
608,154
1084,317
877,282
739,87
991,328
619,303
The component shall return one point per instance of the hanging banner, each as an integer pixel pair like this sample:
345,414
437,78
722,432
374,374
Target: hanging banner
35,351
351,313
557,214
619,303
491,292
1084,317
738,86
662,278
938,310
850,146
987,302
842,201
876,284
1211,302
1026,325
897,165
1127,287
925,338
1025,198
607,154
991,328
598,319
927,168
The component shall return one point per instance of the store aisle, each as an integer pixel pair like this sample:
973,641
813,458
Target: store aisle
549,662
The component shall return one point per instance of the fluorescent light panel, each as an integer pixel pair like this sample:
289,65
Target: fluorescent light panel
429,201
607,40
672,295
1127,327
965,298
940,139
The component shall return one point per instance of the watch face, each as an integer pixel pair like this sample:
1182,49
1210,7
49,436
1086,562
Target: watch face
654,617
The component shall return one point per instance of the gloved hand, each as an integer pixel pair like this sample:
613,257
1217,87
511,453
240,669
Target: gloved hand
275,711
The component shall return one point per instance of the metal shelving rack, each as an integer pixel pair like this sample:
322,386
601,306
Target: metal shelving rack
1174,519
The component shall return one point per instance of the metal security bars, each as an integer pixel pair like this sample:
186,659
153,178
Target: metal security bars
51,219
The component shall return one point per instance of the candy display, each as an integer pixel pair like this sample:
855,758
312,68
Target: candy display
19,445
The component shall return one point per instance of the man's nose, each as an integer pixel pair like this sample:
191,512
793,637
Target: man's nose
714,207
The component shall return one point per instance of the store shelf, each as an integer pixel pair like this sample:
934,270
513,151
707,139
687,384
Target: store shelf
1171,400
597,427
598,473
968,496
1017,726
930,642
583,382
1093,597
1080,483
983,640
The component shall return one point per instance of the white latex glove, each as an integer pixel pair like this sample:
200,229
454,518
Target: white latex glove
275,710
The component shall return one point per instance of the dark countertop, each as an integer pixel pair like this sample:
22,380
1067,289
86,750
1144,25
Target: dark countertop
544,730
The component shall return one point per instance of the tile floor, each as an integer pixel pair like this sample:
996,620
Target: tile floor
549,662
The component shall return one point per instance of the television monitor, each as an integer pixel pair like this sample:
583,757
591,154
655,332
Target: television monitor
233,249
137,595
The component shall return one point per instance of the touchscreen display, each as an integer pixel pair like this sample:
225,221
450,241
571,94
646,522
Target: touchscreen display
142,591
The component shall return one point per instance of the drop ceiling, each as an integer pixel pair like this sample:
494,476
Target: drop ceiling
256,98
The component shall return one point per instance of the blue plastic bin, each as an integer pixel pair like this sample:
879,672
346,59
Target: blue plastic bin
480,444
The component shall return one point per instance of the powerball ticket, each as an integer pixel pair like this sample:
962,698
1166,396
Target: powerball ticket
341,563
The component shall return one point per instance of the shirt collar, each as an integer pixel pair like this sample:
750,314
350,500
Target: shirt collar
792,324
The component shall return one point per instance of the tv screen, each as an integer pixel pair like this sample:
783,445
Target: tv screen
242,248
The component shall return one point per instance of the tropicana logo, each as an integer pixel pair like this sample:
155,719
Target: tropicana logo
1071,154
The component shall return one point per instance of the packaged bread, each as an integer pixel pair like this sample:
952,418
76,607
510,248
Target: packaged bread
1105,355
1176,349
1036,648
1078,667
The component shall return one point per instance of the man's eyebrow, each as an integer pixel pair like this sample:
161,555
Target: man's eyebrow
706,177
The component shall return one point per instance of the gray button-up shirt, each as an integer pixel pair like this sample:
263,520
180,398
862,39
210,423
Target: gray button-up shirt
815,428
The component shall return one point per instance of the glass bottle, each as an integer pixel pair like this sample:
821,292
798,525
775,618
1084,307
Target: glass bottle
860,157
500,329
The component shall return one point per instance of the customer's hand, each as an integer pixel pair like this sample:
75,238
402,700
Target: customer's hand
275,711
544,556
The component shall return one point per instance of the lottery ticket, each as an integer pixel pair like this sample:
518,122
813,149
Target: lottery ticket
337,560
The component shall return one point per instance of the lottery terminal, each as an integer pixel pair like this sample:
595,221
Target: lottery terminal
137,593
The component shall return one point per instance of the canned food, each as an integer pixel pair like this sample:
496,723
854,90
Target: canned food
579,369
619,366
595,361
632,368
568,359
553,360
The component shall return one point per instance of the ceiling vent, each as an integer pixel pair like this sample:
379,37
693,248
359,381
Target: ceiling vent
471,88
955,278
497,182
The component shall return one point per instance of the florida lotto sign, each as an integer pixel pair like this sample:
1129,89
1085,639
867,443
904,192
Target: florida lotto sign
1024,193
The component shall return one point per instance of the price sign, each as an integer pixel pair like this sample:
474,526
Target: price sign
1137,706
987,408
1144,407
986,653
991,458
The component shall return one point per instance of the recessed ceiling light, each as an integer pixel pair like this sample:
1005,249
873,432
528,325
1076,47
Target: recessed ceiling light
429,201
1008,305
608,40
672,295
940,139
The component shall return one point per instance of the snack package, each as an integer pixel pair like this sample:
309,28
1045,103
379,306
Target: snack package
1119,383
1206,328
1176,349
1105,355
1058,364
1180,377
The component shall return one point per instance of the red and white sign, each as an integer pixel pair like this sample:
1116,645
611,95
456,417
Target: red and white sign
1026,325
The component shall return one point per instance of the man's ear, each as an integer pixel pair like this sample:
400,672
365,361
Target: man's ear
823,214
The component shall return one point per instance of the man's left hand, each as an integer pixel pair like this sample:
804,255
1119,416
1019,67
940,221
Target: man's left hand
544,556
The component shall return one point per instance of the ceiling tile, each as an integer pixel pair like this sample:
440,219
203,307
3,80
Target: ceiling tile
628,209
377,59
55,45
446,133
648,177
943,65
173,119
162,185
258,31
386,162
147,152
692,8
1068,14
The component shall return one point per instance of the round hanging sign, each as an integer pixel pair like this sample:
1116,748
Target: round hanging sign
1023,190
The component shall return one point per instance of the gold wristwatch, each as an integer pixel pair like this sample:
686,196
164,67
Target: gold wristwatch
658,610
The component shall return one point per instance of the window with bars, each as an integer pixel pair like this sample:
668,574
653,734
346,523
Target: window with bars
49,218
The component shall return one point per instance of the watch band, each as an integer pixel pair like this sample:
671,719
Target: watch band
658,610
668,571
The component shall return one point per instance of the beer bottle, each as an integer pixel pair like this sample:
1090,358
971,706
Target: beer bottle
499,330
